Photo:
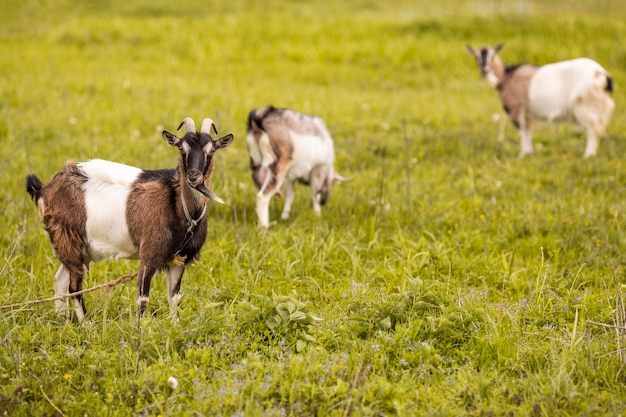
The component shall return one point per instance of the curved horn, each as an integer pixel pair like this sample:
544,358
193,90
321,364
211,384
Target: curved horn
207,124
190,125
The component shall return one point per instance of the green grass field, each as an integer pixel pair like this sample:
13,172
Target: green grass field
447,278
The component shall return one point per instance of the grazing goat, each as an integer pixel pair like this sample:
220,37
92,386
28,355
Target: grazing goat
578,90
99,209
286,146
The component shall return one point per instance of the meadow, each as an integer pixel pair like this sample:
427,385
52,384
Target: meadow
449,277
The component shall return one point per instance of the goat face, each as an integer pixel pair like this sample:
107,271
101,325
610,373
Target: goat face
196,153
484,58
323,191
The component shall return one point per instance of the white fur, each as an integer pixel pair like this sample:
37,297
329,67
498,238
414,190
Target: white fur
308,152
555,89
106,196
570,91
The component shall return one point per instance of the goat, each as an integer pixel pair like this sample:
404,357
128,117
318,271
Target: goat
287,146
99,209
577,90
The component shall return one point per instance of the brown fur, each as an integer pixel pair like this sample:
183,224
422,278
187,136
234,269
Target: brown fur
64,194
512,89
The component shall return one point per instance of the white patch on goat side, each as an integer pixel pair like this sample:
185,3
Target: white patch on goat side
106,196
308,152
554,88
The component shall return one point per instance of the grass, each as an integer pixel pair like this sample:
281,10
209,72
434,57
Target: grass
448,278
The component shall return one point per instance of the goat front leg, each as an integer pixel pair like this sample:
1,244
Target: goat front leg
76,284
272,185
526,141
174,276
263,208
526,138
522,125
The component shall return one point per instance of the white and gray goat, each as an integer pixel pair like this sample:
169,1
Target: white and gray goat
99,209
286,146
577,90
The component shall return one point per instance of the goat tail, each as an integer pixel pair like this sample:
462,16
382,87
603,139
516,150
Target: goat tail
256,117
255,122
34,187
602,81
609,84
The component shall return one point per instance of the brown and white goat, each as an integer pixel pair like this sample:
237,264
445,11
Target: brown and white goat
286,146
577,90
99,209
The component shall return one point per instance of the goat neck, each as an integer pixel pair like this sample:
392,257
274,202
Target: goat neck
193,202
496,74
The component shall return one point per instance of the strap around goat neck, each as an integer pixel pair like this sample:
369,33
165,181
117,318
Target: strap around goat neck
192,222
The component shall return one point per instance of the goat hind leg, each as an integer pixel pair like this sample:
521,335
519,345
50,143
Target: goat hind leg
144,277
289,195
593,140
61,287
76,284
68,280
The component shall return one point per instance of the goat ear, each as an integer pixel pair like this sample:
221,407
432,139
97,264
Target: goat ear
224,141
340,178
499,47
471,50
170,138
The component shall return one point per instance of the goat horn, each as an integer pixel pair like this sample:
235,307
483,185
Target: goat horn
190,125
202,188
207,124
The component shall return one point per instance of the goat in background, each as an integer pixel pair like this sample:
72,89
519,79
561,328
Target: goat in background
577,90
286,146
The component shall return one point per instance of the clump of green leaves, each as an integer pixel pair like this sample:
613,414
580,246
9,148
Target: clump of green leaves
280,317
428,307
